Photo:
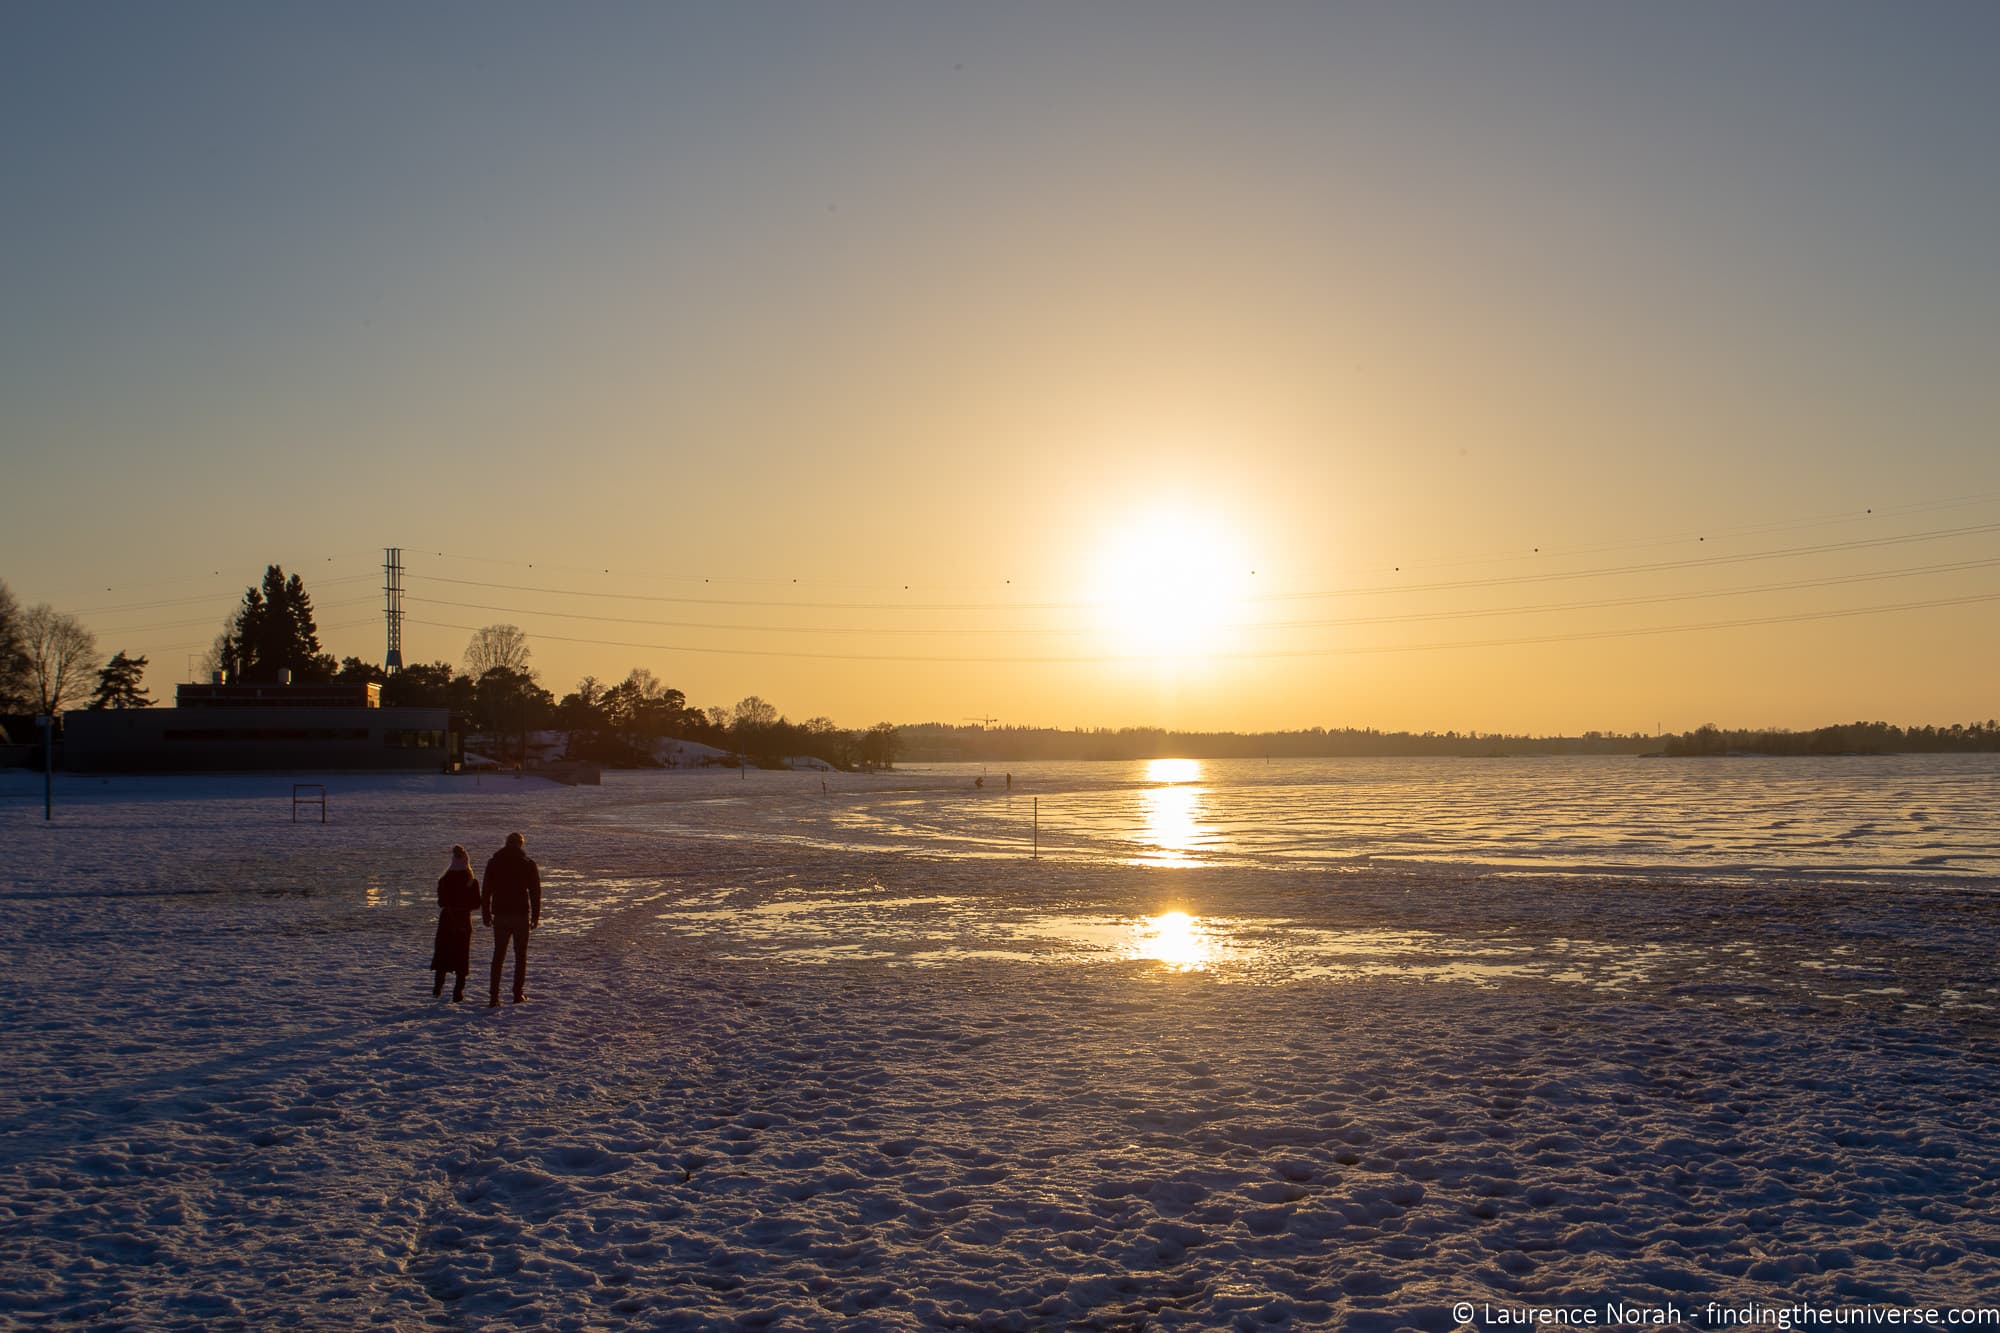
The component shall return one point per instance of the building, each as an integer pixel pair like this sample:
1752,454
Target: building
231,727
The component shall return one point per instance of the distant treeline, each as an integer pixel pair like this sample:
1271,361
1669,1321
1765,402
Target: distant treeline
938,743
935,742
1854,738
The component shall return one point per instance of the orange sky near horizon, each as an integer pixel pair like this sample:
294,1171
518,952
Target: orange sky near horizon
1553,371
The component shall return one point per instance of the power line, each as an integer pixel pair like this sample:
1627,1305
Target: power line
216,574
1869,513
1663,566
1074,631
1349,650
764,605
208,598
1703,534
324,629
211,620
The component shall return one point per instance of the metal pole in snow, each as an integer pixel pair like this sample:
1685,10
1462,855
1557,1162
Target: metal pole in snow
48,726
1038,828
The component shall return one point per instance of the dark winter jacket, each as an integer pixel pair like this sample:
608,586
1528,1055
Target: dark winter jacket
451,947
513,886
458,899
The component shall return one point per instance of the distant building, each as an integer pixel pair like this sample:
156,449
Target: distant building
229,727
236,694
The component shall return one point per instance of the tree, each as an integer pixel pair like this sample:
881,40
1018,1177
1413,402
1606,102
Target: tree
753,714
118,684
581,714
428,685
582,708
496,646
622,704
641,706
274,633
879,746
219,655
755,722
666,712
354,671
14,672
508,703
825,739
62,654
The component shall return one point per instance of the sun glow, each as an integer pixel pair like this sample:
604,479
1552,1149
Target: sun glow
1169,585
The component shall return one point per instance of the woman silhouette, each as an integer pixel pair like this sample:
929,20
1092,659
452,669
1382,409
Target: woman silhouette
458,899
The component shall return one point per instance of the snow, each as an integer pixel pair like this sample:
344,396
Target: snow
689,754
767,1080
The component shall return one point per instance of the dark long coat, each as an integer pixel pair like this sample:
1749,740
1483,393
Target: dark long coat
458,899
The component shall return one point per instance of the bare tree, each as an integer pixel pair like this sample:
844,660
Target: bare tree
218,654
62,657
645,684
754,714
496,646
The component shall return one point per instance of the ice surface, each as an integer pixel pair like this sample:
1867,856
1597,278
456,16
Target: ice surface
766,1078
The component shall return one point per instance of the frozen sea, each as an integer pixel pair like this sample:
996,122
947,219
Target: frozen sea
1340,1044
1863,818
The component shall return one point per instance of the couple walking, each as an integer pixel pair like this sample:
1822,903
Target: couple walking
510,903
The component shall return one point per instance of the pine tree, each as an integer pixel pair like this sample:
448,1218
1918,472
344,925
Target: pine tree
275,633
118,684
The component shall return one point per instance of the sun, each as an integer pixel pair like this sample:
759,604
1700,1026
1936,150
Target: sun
1169,584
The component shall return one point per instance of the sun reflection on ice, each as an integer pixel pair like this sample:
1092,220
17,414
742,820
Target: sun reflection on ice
1172,811
1172,829
1176,939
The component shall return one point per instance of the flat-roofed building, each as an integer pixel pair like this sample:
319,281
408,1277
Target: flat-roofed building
236,694
237,727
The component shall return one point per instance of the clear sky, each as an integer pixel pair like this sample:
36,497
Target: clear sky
1553,367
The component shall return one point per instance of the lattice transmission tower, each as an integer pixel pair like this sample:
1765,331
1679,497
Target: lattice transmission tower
392,589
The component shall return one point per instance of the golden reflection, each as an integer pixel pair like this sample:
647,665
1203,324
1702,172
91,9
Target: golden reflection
1172,829
1172,812
1176,939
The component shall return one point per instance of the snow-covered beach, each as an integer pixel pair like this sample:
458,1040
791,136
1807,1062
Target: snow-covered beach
767,1078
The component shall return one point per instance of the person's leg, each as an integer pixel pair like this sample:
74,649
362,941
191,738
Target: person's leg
521,962
458,987
499,961
437,987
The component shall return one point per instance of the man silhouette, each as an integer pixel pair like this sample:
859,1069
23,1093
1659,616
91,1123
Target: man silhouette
510,901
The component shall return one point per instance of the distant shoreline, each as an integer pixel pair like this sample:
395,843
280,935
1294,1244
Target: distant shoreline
936,743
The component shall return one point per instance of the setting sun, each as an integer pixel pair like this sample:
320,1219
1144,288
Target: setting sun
1169,584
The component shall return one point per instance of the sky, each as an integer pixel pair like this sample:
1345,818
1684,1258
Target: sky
1536,368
